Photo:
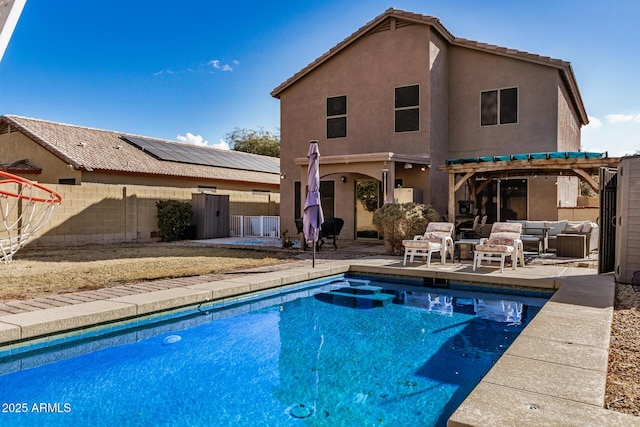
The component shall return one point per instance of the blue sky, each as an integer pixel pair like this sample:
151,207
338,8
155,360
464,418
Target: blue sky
196,69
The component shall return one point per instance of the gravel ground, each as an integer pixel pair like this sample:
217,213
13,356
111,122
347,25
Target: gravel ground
623,377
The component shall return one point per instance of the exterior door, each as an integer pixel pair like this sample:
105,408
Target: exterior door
367,201
608,200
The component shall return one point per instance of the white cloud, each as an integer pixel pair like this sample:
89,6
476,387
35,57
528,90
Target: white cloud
222,145
215,63
190,138
594,123
620,118
159,73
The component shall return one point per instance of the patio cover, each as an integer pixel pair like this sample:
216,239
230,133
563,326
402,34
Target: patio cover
572,163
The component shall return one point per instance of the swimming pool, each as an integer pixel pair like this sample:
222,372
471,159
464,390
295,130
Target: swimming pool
363,352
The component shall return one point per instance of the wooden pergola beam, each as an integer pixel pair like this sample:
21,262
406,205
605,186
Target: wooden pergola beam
588,179
582,168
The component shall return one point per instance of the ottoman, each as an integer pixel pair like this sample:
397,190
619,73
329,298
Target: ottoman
571,245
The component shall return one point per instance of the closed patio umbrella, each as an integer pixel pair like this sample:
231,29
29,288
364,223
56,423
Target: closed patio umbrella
313,217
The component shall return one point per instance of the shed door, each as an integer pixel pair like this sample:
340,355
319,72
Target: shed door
608,191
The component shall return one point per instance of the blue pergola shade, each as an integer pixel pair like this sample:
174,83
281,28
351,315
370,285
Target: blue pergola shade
529,156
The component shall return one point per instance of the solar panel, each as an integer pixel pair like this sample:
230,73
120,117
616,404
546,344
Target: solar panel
206,156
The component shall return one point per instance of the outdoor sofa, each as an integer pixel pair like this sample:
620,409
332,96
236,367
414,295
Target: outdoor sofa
554,228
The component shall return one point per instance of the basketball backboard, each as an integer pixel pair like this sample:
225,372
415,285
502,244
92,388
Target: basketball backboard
10,11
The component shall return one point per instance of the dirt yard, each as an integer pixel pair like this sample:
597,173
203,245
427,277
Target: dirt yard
35,273
38,272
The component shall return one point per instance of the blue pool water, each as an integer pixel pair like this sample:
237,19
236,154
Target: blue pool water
407,356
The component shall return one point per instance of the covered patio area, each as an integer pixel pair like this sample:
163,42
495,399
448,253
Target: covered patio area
478,172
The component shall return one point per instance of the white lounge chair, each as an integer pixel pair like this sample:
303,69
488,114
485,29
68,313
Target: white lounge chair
503,241
437,238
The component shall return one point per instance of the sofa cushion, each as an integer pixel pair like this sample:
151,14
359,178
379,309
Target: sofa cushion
574,228
556,227
534,228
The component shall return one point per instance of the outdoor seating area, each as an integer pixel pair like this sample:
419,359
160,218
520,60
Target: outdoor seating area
545,234
547,242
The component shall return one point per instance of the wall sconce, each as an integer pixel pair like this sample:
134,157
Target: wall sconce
283,175
343,179
408,165
423,168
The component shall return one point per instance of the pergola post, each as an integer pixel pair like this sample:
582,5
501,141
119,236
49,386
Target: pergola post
452,197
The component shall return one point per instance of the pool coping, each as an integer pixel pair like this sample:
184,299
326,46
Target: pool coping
553,374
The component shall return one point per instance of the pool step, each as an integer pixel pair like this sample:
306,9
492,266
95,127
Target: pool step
361,296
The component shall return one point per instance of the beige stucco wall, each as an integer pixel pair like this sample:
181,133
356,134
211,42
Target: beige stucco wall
568,128
180,182
16,146
439,124
367,72
581,213
471,72
451,79
103,213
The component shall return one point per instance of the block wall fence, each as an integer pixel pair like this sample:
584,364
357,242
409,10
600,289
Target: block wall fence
106,214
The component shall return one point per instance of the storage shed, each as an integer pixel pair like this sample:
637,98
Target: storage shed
628,220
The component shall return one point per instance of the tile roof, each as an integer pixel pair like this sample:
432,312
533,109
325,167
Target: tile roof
104,150
564,67
22,166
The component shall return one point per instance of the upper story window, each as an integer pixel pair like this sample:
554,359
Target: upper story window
499,107
337,117
407,108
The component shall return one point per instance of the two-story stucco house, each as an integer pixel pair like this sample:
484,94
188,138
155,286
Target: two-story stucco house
399,97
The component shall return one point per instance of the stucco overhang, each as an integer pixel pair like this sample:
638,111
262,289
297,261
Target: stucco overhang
367,158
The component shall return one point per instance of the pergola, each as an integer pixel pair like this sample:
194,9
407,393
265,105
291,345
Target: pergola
580,164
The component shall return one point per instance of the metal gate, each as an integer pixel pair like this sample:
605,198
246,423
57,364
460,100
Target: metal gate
608,192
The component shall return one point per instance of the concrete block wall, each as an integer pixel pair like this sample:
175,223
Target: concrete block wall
104,213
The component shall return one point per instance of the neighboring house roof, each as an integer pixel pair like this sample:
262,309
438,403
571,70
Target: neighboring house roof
109,151
381,21
19,166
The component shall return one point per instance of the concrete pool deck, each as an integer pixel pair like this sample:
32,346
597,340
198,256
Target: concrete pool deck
553,374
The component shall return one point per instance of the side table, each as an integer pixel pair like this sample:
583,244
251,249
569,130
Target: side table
459,244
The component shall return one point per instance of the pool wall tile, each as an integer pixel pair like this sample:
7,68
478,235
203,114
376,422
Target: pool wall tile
150,302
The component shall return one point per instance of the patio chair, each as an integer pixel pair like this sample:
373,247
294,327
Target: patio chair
503,241
437,238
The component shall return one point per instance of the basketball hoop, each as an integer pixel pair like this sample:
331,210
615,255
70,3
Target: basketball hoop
25,207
